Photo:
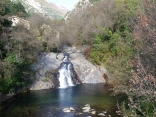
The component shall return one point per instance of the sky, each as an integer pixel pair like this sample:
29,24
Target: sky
69,4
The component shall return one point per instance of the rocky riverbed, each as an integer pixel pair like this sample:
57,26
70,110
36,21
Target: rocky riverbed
87,109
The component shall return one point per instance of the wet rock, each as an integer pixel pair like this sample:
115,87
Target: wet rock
105,111
71,108
86,108
87,105
86,111
67,110
101,114
93,112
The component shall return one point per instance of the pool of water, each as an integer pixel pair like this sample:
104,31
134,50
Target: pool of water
49,103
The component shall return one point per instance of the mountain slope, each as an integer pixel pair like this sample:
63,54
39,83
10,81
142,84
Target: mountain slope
80,5
50,10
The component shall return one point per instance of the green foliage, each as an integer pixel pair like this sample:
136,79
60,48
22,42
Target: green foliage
18,47
98,45
45,46
131,7
8,7
140,107
94,1
18,9
141,87
5,23
14,74
11,58
95,56
107,34
113,47
5,84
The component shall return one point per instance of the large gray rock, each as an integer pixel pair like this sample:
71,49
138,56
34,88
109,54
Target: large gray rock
39,85
48,62
86,71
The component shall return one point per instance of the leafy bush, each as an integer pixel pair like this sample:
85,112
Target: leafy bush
112,49
15,74
94,1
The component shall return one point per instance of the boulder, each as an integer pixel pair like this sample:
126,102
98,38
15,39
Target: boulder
93,112
66,110
71,108
86,108
86,71
101,114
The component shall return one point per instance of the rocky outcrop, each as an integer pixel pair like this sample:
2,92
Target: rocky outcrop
19,21
86,71
48,63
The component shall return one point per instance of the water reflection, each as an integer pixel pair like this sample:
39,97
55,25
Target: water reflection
65,97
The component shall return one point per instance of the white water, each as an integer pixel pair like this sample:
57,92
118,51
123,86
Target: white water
66,73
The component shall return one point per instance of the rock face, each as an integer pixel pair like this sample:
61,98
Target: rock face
85,70
48,64
49,10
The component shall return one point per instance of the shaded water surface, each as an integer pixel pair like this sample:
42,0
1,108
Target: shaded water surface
49,103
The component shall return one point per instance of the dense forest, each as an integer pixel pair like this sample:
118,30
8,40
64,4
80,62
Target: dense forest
117,34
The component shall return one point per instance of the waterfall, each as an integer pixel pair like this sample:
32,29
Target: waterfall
66,74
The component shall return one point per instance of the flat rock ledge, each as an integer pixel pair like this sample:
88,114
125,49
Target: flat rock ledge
48,62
